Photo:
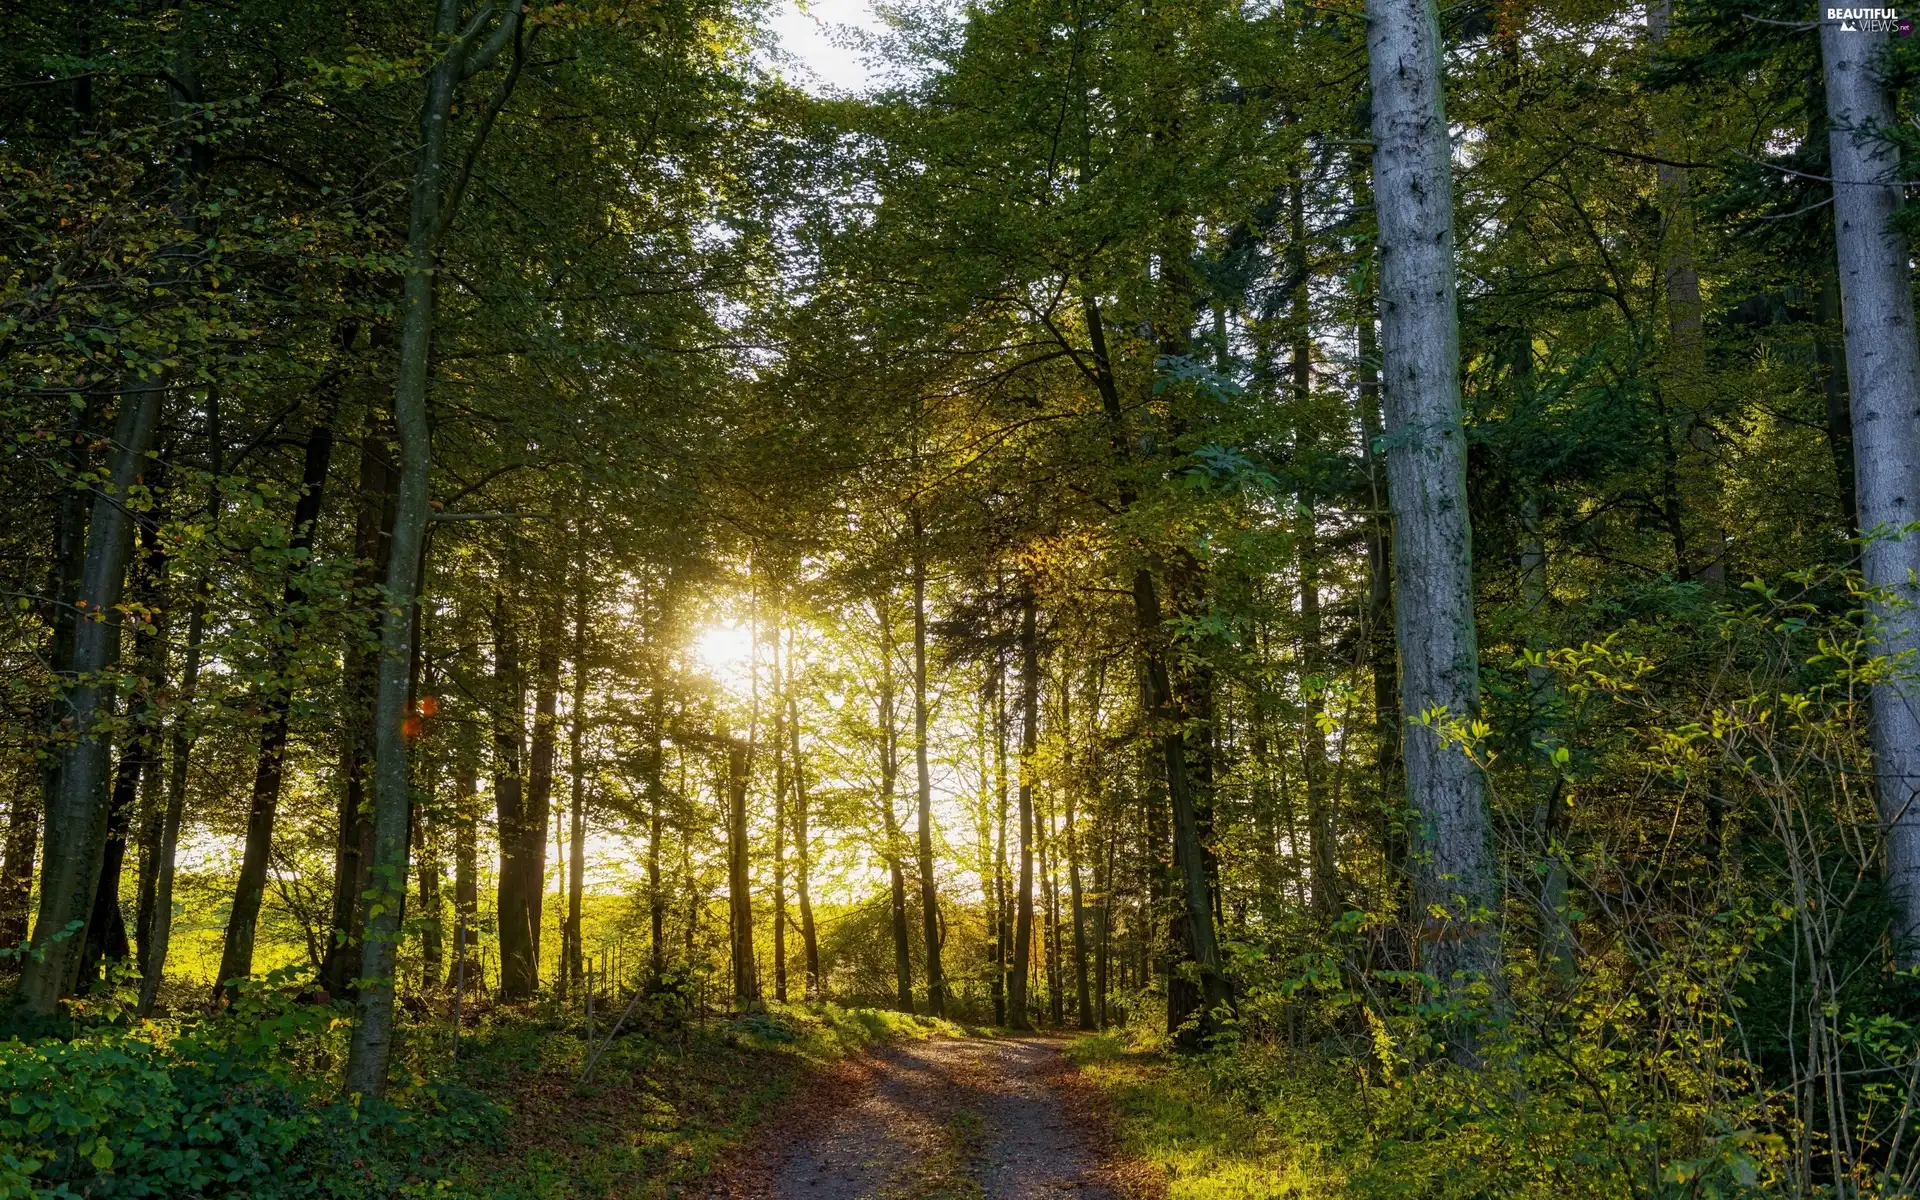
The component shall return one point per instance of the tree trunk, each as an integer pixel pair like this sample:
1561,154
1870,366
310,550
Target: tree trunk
929,893
1320,819
571,968
372,548
1883,379
746,978
512,903
276,698
179,754
1426,464
1017,975
1082,997
464,968
1157,701
779,826
656,894
539,806
1002,930
802,849
76,817
889,821
435,199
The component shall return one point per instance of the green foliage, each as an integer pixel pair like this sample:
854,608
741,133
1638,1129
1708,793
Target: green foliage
218,1108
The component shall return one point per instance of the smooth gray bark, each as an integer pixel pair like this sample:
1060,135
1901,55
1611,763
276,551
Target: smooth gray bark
435,197
76,828
1426,454
1883,382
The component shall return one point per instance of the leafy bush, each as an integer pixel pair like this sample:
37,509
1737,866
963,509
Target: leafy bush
219,1108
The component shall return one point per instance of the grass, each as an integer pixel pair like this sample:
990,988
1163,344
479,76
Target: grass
664,1105
1208,1145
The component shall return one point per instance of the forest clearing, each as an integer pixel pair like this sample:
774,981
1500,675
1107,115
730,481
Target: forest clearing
642,598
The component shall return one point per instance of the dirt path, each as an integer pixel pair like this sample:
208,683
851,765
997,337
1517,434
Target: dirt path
993,1119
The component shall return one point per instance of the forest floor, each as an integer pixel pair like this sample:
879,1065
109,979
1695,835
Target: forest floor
1004,1118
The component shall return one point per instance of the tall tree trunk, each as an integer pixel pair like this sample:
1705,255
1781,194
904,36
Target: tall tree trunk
1190,854
1002,924
1017,975
929,892
76,816
464,967
571,967
435,199
746,977
179,755
802,849
518,975
780,765
1320,818
1883,379
539,806
1382,655
1426,464
889,821
656,819
1083,999
276,698
372,548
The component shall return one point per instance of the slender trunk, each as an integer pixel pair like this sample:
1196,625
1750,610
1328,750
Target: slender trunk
1050,911
464,969
1883,377
434,201
746,979
1455,885
179,755
1831,358
1001,922
539,805
656,820
1189,849
1017,1015
1320,817
276,698
780,765
76,817
1382,655
512,904
372,548
929,892
1082,997
890,822
571,969
802,850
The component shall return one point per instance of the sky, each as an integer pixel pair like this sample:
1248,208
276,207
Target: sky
817,39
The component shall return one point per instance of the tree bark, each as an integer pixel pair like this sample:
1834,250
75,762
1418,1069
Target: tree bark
76,816
1426,464
515,922
890,822
746,977
802,849
432,206
1017,974
929,893
1158,703
353,831
243,917
571,968
539,807
1883,380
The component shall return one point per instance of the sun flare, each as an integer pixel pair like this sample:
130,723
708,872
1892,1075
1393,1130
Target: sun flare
725,654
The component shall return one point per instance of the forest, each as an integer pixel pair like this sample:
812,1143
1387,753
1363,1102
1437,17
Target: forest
1331,586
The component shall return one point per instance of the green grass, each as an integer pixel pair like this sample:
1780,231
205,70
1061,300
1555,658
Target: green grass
662,1109
1208,1146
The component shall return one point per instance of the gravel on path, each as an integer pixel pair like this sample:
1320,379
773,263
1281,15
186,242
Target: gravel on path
949,1119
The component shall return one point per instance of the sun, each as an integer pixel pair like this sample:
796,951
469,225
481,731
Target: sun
725,654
